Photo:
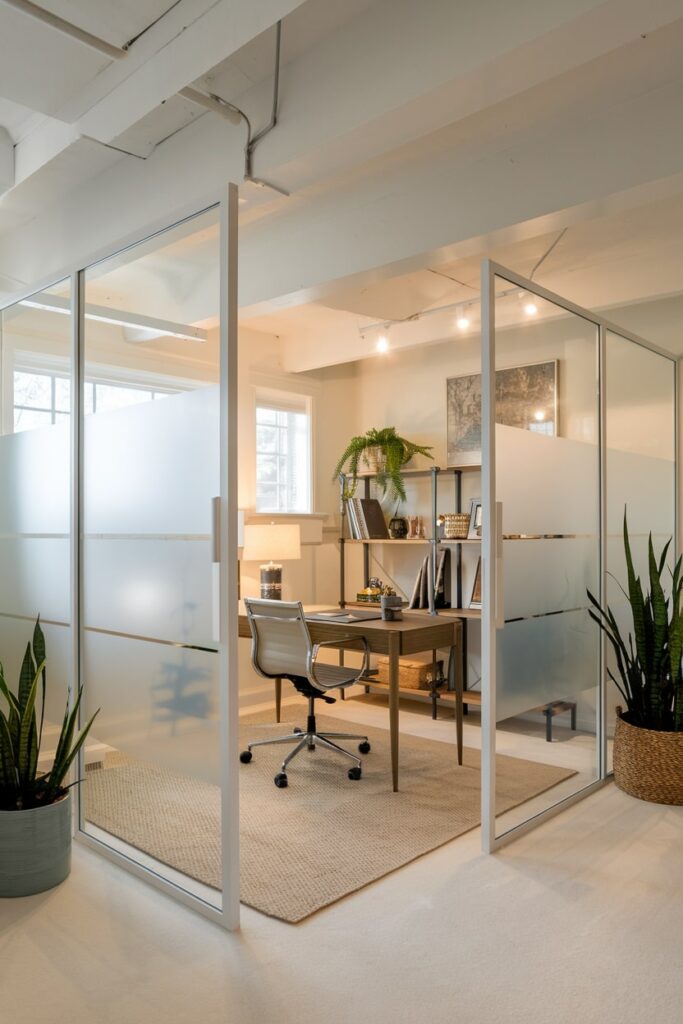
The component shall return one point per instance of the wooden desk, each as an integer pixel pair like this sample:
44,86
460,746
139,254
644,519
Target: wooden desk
416,632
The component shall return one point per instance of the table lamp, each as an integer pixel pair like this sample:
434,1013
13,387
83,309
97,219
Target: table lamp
273,542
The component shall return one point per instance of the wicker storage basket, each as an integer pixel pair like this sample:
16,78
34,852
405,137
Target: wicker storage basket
456,525
648,764
412,675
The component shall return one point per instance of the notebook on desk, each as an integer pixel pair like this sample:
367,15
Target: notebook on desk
345,614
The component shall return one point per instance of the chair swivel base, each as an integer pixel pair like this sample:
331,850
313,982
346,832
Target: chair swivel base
309,740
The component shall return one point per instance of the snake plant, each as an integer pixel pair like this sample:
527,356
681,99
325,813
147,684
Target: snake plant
396,450
648,660
22,786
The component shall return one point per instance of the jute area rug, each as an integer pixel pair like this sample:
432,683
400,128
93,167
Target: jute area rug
324,836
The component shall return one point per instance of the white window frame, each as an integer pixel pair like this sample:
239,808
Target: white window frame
285,400
55,367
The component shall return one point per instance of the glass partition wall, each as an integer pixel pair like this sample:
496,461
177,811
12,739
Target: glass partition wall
35,496
578,424
118,526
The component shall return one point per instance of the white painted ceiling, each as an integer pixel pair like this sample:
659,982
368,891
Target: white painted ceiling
50,85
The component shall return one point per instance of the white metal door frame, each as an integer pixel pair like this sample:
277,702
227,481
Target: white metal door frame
492,544
228,915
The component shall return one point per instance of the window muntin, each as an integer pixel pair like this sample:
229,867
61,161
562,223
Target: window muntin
283,455
42,398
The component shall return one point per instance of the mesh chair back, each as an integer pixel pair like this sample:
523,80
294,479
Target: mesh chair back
280,639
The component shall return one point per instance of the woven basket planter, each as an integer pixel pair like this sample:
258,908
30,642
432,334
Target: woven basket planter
648,764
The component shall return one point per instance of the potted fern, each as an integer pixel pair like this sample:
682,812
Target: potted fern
384,454
648,738
35,806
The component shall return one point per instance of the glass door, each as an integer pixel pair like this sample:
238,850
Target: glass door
35,491
542,553
157,568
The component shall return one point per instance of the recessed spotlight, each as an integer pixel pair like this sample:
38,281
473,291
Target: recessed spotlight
530,308
382,343
462,323
539,415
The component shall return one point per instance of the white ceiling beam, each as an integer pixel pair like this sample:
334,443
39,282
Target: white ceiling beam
211,38
403,70
6,161
67,28
445,207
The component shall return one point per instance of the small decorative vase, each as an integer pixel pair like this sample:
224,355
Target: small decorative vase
392,607
375,459
398,528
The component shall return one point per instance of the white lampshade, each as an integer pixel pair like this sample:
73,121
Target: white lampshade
272,542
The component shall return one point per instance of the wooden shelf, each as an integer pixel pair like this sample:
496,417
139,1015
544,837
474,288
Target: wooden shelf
444,696
468,697
453,613
460,540
387,540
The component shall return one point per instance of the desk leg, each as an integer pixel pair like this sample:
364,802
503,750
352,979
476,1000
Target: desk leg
393,705
278,698
457,668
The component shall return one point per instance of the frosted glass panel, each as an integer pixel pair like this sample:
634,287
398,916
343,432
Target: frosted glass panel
150,597
151,467
35,485
641,442
547,478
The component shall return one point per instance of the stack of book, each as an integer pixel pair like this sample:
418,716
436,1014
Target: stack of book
366,519
442,582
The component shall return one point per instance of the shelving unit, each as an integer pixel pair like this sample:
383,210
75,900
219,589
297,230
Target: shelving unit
434,541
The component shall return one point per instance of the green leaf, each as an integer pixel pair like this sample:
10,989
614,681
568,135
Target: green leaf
8,774
40,656
28,671
637,602
27,753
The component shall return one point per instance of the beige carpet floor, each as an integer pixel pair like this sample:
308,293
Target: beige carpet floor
324,836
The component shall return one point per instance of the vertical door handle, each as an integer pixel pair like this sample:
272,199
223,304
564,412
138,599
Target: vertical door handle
499,600
215,529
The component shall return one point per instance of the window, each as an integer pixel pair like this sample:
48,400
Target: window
283,453
41,398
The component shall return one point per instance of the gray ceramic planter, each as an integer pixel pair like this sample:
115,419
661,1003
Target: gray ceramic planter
35,848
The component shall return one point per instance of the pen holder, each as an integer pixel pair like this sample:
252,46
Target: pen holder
392,608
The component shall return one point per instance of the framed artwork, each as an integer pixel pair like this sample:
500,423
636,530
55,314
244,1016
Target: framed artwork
526,397
474,529
475,599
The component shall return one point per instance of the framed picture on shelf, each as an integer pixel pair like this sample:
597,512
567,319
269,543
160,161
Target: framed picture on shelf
475,599
526,397
474,530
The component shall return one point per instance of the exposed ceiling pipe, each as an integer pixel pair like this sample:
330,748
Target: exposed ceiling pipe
234,114
66,28
252,142
231,113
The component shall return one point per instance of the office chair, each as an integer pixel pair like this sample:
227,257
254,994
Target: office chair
282,648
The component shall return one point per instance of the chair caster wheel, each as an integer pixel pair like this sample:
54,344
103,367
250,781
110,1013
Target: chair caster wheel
297,729
355,773
281,780
364,747
311,746
245,756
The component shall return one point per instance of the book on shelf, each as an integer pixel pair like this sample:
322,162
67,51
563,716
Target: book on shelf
360,521
354,529
373,521
442,583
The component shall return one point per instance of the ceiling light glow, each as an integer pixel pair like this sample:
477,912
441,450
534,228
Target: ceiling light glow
382,343
530,308
462,322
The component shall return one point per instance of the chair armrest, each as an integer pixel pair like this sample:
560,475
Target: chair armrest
343,642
